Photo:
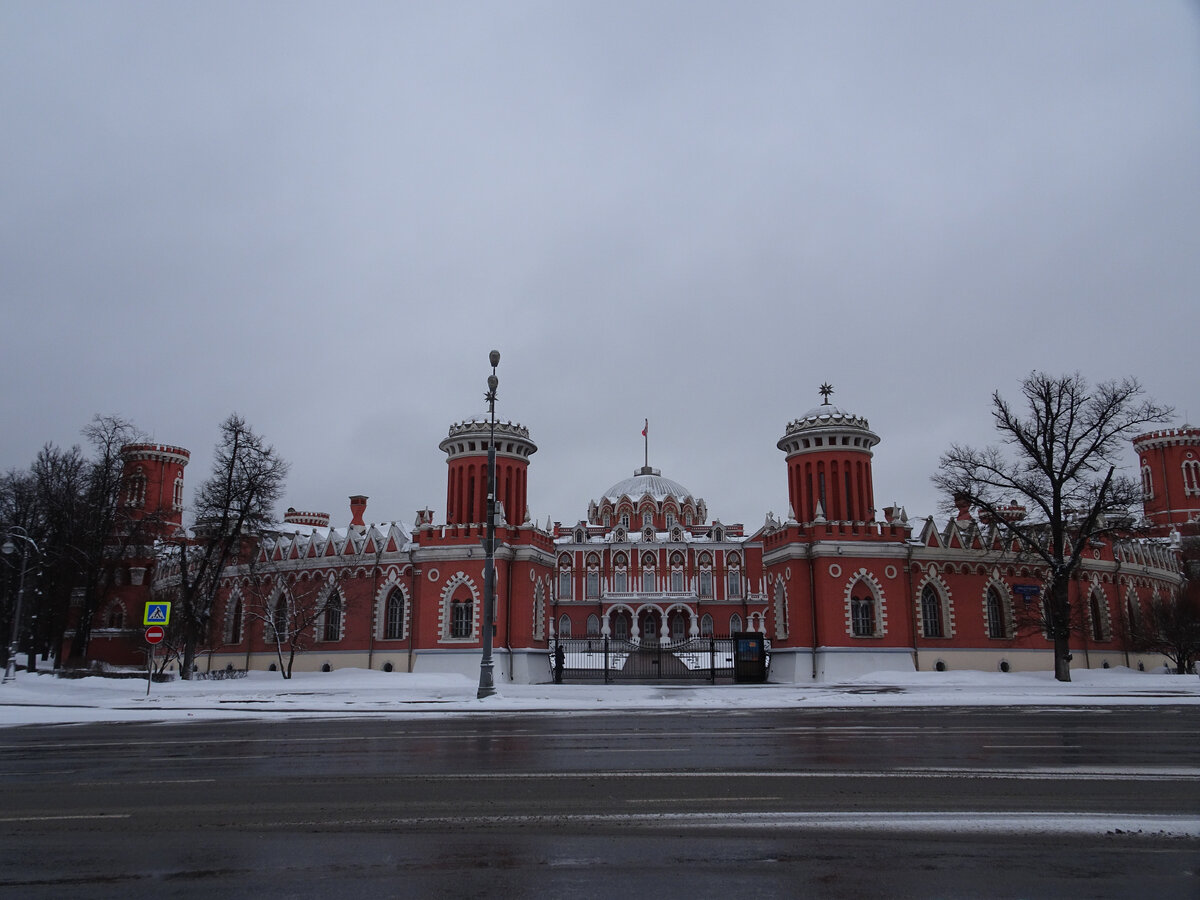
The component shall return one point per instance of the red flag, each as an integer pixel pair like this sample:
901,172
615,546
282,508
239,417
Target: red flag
645,428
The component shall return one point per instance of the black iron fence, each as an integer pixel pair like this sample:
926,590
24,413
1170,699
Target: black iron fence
611,659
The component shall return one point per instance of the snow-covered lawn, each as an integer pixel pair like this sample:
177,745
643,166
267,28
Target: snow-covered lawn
44,699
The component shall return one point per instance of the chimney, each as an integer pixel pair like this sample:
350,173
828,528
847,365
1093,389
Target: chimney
358,506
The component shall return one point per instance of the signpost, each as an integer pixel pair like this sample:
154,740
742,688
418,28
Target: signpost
157,615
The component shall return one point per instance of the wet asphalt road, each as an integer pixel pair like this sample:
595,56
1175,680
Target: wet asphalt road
853,803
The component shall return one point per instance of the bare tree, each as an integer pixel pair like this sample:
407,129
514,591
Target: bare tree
68,502
1060,460
233,506
294,616
104,533
1173,625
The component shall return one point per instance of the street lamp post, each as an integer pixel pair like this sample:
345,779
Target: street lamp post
487,683
9,548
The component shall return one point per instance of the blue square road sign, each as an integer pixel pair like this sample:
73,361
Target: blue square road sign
157,613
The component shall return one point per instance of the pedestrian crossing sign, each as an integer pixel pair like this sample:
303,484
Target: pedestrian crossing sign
157,614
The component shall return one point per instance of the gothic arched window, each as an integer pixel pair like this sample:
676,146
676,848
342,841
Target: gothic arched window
997,619
393,624
931,613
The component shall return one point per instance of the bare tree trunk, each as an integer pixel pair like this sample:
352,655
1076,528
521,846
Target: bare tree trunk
1060,627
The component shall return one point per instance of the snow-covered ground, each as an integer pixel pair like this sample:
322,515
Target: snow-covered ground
44,699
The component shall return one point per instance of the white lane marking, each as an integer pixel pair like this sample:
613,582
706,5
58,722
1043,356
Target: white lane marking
1036,774
1021,824
66,818
698,799
594,735
140,782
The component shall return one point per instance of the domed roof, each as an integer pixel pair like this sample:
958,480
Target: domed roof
825,410
827,415
652,483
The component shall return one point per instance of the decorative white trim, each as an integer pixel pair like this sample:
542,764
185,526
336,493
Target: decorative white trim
877,595
444,616
944,599
381,609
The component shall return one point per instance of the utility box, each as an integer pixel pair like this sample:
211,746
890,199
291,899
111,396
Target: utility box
749,657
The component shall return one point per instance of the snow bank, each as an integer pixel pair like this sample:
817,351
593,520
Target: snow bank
44,699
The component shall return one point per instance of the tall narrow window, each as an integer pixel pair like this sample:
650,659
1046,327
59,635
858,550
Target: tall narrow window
735,623
461,614
706,625
621,580
279,619
564,626
333,618
648,586
997,627
235,624
564,583
394,622
1097,618
931,612
137,489
677,580
1191,477
862,615
706,582
593,583
1147,483
593,625
735,583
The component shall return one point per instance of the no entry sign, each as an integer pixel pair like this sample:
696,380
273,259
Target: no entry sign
154,634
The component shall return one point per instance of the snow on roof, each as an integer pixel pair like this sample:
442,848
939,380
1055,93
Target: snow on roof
658,487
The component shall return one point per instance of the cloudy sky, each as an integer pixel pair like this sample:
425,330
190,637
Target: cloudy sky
324,215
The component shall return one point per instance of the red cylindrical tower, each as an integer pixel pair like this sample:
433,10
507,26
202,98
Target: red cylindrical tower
1170,468
152,483
829,466
466,478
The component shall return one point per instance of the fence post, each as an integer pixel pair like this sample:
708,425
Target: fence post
606,681
712,660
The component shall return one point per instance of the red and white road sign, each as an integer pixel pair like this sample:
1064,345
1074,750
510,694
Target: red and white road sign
154,634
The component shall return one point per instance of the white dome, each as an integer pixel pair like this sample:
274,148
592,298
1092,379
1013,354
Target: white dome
656,486
826,410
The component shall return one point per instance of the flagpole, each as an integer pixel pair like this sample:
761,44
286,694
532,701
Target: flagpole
646,438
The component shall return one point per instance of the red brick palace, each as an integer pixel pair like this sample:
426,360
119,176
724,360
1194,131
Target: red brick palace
839,588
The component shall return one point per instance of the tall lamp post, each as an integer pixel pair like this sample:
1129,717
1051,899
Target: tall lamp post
9,548
487,683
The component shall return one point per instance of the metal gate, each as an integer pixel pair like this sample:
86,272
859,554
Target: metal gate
611,659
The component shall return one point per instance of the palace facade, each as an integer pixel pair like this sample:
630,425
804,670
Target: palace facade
838,588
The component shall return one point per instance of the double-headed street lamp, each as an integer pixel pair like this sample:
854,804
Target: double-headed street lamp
487,682
9,548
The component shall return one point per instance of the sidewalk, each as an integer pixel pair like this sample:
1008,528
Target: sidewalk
44,699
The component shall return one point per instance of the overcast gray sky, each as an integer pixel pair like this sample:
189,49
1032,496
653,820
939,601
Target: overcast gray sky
324,215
